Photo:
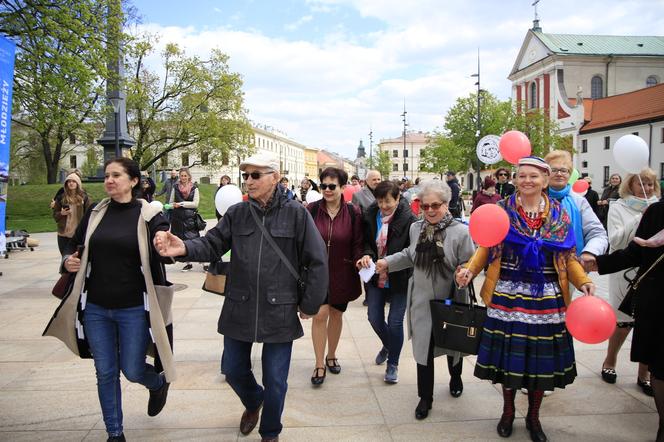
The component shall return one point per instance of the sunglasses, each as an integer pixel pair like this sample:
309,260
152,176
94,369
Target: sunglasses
327,186
434,206
255,175
503,174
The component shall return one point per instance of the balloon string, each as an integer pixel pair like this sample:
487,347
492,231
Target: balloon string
645,195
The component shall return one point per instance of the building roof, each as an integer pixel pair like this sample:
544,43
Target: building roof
411,137
602,44
625,109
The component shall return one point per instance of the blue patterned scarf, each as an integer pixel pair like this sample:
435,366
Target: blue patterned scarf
567,202
556,235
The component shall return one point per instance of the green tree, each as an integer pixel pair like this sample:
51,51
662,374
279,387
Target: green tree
196,105
541,130
60,67
380,162
92,162
440,155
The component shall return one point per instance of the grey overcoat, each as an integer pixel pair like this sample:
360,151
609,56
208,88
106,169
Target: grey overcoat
458,248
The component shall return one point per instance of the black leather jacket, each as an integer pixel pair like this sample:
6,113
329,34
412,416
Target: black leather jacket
262,302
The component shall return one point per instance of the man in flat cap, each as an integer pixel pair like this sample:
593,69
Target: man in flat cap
261,297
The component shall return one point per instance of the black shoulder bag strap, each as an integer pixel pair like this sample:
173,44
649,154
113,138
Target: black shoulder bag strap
276,248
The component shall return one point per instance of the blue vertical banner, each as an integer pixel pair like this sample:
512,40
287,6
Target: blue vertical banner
7,54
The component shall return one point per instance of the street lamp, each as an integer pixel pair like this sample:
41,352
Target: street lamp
478,133
115,102
404,134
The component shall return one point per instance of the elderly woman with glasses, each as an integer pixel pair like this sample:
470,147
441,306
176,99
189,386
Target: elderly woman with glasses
438,244
525,343
591,238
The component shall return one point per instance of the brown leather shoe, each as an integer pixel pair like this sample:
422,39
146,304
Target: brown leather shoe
249,420
270,439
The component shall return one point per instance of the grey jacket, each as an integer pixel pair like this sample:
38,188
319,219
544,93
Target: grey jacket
363,198
595,239
261,303
459,248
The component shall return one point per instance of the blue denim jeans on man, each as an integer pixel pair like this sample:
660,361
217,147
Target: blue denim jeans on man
275,360
390,332
118,339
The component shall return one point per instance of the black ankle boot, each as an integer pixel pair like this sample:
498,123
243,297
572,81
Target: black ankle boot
504,427
422,409
158,399
535,429
119,438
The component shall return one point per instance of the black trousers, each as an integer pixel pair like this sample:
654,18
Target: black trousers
425,374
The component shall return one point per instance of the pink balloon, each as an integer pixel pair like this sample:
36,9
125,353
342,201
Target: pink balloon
590,319
348,193
514,145
489,225
580,186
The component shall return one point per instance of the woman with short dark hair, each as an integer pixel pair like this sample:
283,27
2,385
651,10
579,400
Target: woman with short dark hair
113,313
340,225
386,223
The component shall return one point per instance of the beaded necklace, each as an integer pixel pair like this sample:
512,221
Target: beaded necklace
533,220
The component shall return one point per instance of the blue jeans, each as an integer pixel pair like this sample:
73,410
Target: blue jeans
390,333
118,339
276,363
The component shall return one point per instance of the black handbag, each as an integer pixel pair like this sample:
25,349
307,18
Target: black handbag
628,304
457,326
199,222
300,277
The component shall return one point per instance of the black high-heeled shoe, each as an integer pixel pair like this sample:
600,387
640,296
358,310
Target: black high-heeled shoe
456,386
505,426
318,380
535,429
422,409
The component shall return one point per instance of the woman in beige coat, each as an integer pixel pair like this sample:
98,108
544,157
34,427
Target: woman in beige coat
118,278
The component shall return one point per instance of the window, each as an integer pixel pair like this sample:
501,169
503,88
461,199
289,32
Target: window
635,133
405,167
72,139
596,87
584,164
395,153
205,158
72,162
584,146
405,153
205,180
662,138
606,176
651,81
224,158
164,161
185,159
607,143
533,95
395,167
661,171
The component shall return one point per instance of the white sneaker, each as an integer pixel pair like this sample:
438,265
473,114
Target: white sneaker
546,392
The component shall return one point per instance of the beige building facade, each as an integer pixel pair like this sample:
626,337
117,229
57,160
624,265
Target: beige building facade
406,161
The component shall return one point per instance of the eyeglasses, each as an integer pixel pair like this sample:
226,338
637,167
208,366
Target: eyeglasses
255,175
434,206
327,186
503,174
562,170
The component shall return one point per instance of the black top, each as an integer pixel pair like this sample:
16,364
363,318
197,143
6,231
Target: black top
116,280
505,189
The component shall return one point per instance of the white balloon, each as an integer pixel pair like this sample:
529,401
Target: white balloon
631,153
157,204
227,196
313,196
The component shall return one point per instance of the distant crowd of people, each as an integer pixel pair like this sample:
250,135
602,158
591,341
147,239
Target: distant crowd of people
292,260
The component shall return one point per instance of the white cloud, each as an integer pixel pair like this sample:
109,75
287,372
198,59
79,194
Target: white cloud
296,24
328,93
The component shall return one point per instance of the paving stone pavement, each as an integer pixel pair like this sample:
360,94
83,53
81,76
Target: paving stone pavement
46,393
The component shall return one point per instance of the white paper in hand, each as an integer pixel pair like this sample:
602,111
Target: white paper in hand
367,273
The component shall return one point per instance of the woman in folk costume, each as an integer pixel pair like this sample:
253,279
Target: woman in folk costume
525,343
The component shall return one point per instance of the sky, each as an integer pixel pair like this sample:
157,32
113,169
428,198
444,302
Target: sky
327,72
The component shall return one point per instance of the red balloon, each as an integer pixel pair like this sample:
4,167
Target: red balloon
349,190
580,186
489,225
590,319
514,145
